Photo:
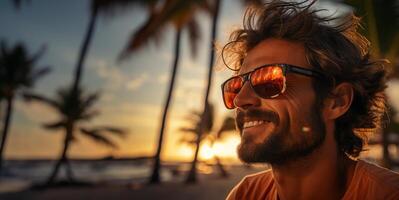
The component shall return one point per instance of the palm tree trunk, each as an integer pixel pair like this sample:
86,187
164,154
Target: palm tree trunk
192,174
84,49
191,178
6,126
222,170
219,165
63,157
69,171
157,158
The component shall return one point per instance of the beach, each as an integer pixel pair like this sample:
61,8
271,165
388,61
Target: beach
209,186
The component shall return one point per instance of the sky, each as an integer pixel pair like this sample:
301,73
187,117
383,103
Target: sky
133,91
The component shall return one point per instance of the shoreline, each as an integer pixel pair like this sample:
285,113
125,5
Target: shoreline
209,186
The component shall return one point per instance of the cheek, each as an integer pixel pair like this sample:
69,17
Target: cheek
298,106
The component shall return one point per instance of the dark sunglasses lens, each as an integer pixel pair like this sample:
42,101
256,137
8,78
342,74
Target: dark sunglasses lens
268,82
230,90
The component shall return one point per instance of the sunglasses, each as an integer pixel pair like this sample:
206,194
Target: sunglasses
267,81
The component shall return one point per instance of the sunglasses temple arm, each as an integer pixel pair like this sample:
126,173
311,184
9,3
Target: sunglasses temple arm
306,72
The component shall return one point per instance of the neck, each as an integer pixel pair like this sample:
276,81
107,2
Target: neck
325,171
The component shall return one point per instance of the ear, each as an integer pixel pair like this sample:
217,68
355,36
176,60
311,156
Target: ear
339,101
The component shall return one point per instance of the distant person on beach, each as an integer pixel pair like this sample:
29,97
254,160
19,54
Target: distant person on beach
307,96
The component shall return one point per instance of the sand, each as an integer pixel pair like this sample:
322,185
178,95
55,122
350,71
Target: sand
209,187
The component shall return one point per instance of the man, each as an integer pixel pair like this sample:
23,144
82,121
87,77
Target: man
307,95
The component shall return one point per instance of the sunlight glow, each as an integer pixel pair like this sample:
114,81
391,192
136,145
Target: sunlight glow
206,151
225,148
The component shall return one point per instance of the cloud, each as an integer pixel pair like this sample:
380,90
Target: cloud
137,82
163,78
115,78
34,109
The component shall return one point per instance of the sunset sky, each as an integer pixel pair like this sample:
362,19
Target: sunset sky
133,92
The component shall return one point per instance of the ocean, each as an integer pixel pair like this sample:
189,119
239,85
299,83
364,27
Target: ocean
21,174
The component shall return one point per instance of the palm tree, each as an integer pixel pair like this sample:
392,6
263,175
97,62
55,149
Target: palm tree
381,28
228,125
18,3
381,25
106,8
191,178
75,109
210,132
180,14
18,72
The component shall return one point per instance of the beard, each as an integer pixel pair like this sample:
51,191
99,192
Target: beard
280,147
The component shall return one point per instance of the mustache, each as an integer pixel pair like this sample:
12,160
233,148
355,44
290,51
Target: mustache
253,113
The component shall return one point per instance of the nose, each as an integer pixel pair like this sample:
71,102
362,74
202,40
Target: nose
246,98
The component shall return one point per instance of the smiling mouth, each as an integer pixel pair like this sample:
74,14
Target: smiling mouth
250,124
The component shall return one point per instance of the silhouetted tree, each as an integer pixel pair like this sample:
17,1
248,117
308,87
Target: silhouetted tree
75,108
215,8
18,72
210,132
181,14
106,8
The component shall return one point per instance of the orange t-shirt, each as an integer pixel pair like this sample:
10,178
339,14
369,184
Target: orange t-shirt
369,182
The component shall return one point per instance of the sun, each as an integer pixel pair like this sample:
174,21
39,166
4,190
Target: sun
206,151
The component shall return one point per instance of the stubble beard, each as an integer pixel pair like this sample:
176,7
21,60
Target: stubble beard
275,150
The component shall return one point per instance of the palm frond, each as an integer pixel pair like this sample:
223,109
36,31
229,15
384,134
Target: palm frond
179,13
120,132
18,3
194,34
54,125
35,57
87,116
113,7
18,69
151,29
36,97
190,141
90,100
97,137
41,72
227,125
189,130
381,21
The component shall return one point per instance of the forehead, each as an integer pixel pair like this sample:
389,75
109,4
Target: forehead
274,50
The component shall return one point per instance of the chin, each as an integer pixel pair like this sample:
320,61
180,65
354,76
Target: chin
275,151
269,151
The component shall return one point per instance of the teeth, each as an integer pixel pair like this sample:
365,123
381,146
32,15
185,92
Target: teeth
253,123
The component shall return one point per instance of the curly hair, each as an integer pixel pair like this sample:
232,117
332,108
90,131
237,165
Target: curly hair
332,45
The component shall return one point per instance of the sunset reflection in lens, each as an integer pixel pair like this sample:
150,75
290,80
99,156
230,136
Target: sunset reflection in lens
268,81
230,91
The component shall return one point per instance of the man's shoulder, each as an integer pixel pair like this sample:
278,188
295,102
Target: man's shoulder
372,181
253,185
379,175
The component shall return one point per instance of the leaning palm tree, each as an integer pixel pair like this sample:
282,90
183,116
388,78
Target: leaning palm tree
18,72
105,8
210,132
75,108
215,8
180,14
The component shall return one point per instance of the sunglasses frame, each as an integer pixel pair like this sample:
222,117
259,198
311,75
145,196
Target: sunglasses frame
285,68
